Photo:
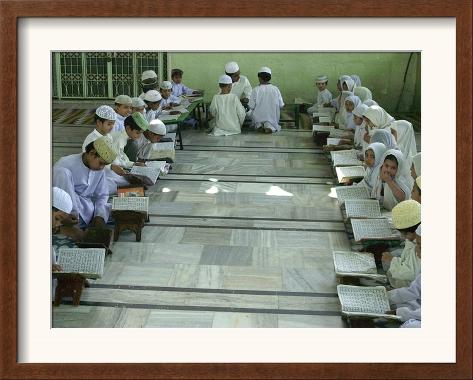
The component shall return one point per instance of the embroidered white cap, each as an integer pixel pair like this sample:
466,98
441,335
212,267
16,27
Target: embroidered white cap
406,214
166,85
265,69
153,96
62,200
231,67
137,103
157,126
148,74
106,112
321,79
224,79
123,99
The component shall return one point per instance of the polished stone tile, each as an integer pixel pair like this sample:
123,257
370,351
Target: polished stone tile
315,280
245,320
309,303
227,256
252,278
309,321
173,319
196,276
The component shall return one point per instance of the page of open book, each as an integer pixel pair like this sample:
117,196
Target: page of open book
88,262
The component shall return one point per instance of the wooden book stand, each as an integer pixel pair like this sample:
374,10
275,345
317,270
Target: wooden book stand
68,285
128,220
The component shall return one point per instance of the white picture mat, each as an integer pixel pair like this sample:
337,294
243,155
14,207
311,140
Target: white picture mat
435,342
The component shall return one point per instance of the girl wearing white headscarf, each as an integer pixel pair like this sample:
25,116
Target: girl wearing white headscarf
405,139
370,102
341,115
337,101
348,84
351,102
356,79
394,183
415,168
360,126
363,93
386,137
373,155
376,118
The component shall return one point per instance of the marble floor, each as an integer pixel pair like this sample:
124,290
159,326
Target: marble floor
241,234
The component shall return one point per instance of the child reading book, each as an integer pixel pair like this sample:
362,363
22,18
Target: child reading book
153,101
324,96
122,110
373,156
179,88
105,118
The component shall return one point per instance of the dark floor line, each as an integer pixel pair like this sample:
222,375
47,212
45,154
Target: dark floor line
211,290
186,149
251,147
207,308
235,181
245,228
250,175
248,218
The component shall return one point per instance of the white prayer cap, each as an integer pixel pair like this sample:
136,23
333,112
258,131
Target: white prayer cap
62,200
153,96
106,112
224,79
359,110
137,103
265,69
231,67
123,99
166,85
418,231
148,74
157,126
321,79
419,182
406,214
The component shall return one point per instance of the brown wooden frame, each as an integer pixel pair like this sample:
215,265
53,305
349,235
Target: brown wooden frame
11,11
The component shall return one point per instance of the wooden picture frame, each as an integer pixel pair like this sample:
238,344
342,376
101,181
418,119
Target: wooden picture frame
12,11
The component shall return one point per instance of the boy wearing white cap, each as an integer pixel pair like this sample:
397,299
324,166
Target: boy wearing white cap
324,96
179,88
138,105
226,109
147,142
105,118
169,100
406,217
266,103
122,110
82,176
149,81
153,104
241,86
407,301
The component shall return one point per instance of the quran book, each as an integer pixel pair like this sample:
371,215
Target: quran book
179,108
171,136
356,264
372,229
362,208
325,119
337,133
364,301
345,158
147,175
193,98
302,101
139,204
131,191
87,262
327,110
333,141
348,173
163,150
156,164
351,192
164,117
322,128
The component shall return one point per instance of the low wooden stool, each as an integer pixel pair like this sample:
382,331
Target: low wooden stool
97,237
320,138
128,220
68,285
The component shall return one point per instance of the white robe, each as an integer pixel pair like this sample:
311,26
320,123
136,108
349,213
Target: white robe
119,123
152,114
405,139
407,300
92,136
265,105
168,101
404,269
242,88
179,89
323,97
372,173
87,188
228,115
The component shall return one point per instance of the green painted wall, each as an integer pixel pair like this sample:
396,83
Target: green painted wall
294,73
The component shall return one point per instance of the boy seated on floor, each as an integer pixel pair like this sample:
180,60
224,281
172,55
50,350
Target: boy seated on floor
149,142
105,118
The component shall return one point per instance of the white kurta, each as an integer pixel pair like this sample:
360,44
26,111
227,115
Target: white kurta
407,300
228,115
179,89
153,114
323,97
87,188
242,88
265,105
92,136
119,141
168,101
406,140
119,123
403,270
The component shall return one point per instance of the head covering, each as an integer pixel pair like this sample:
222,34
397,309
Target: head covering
406,214
140,120
106,112
137,103
176,71
350,123
153,96
354,99
342,112
370,102
386,137
231,67
418,231
406,139
166,85
265,69
62,200
416,162
363,93
148,74
359,109
321,79
379,117
123,99
359,129
224,79
157,126
356,79
402,179
349,82
372,173
418,182
103,147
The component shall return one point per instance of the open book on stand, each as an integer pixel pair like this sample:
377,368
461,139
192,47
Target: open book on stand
88,262
142,174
